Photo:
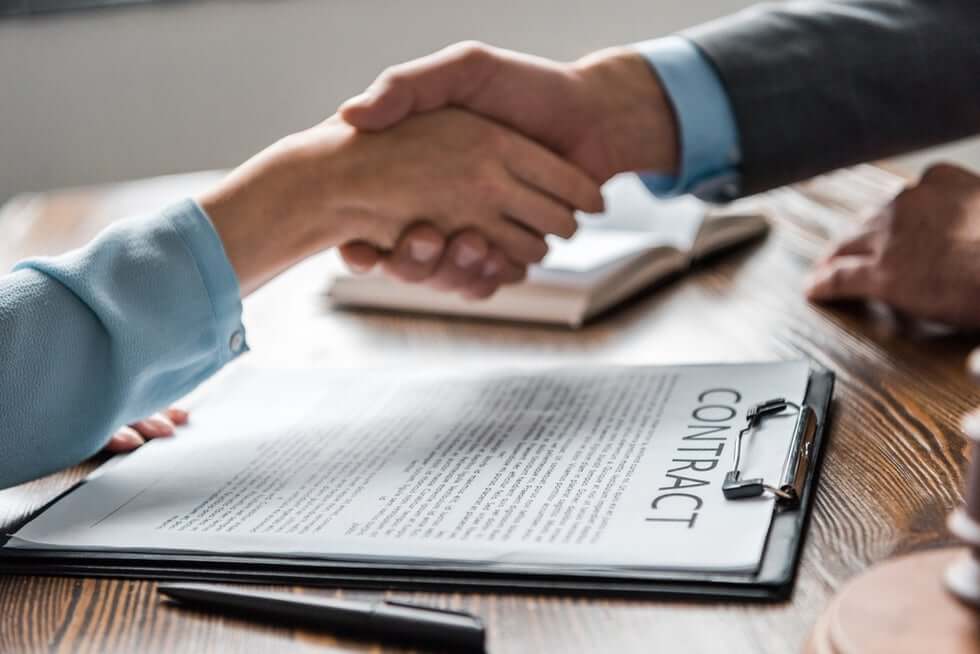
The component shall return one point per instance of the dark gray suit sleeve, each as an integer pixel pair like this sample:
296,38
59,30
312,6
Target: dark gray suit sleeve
816,85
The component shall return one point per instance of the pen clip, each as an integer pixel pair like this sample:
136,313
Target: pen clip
433,609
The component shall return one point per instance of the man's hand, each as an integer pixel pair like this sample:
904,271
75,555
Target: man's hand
468,264
160,425
920,254
606,113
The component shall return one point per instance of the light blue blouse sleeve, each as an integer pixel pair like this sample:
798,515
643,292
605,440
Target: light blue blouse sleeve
110,333
708,133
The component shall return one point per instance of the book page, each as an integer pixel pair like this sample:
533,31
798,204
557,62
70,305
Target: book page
635,222
599,468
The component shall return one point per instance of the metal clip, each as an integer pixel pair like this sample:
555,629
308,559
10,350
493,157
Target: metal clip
793,477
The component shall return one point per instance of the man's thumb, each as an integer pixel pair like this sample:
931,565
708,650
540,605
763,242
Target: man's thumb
379,107
841,278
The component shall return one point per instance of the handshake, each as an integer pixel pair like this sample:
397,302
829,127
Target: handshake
450,169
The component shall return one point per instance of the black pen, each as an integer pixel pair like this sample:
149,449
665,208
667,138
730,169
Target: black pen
384,620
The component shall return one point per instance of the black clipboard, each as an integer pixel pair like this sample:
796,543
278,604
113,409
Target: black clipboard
773,581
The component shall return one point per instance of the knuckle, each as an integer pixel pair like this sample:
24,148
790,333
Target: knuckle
392,76
940,171
487,183
470,51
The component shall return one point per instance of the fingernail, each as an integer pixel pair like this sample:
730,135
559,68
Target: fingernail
491,268
466,256
423,251
178,416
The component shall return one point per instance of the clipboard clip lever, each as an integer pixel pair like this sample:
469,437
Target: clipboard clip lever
789,489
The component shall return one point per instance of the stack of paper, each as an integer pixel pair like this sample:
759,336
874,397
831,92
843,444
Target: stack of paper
613,469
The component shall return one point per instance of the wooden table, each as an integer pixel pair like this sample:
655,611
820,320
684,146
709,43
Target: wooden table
893,471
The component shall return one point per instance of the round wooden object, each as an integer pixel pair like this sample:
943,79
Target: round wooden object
899,607
973,363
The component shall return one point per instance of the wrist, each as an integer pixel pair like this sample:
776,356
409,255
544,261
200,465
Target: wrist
636,119
263,215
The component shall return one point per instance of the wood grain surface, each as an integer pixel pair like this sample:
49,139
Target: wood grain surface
894,467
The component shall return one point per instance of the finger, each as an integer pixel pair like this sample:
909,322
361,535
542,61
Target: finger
124,440
497,270
359,256
416,254
843,278
463,262
860,244
177,415
946,172
519,243
542,169
156,426
537,211
480,289
503,269
443,78
496,267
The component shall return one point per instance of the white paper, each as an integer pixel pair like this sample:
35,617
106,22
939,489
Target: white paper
634,221
603,468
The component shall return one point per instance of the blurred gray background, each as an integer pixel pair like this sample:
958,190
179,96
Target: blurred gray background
104,95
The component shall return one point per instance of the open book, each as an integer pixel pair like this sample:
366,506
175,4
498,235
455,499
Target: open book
639,241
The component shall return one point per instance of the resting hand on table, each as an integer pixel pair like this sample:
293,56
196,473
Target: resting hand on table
920,254
159,425
606,113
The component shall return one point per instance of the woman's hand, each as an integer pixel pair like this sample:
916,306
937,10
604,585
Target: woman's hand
332,185
159,425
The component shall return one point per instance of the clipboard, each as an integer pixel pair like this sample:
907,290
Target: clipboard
773,581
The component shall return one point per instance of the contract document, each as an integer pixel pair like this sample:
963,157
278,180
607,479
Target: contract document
611,469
